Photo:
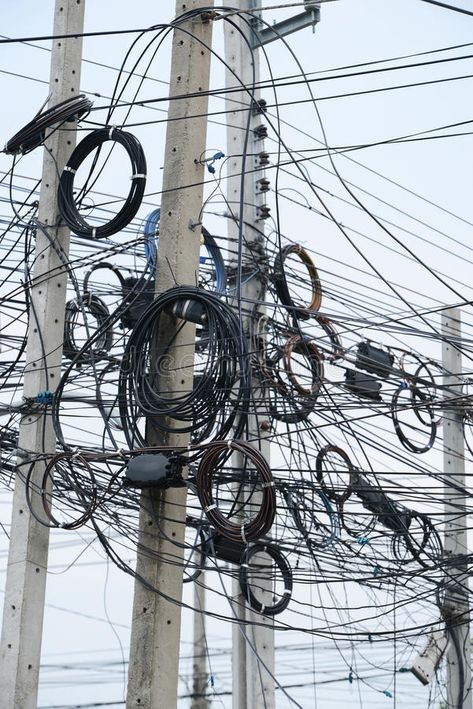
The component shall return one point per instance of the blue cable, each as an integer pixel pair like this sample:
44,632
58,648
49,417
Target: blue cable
150,246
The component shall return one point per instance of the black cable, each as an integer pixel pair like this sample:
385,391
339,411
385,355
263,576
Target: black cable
66,202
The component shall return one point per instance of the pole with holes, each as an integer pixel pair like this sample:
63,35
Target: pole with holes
456,599
155,635
247,187
25,587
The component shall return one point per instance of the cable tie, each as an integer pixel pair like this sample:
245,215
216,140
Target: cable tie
229,444
138,174
269,484
75,454
243,534
94,232
287,592
70,169
262,608
121,453
210,507
244,566
110,132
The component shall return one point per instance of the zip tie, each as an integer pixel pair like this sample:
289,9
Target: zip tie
244,566
271,484
138,174
262,608
210,508
70,169
94,232
110,132
243,534
287,592
121,453
75,454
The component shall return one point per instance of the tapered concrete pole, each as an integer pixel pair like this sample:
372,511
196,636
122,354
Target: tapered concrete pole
25,587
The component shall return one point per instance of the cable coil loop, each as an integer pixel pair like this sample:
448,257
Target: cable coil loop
66,202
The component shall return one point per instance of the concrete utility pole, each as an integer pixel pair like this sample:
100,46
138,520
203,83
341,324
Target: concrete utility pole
154,645
20,648
200,674
456,603
253,683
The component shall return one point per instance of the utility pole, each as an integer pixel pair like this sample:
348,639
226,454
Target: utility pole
20,648
155,634
253,661
456,602
200,675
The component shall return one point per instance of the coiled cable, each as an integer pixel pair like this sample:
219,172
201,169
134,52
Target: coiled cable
66,202
211,466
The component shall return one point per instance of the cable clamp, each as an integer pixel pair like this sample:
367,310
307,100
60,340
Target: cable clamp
70,169
138,175
210,507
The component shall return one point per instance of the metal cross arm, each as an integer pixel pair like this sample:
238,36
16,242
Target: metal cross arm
309,17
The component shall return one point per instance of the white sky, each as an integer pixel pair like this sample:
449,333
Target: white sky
439,170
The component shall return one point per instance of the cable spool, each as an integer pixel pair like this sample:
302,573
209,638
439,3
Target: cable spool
248,560
221,380
214,459
150,233
66,202
102,338
395,409
330,480
281,284
34,133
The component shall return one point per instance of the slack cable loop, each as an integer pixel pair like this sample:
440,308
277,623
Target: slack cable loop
67,206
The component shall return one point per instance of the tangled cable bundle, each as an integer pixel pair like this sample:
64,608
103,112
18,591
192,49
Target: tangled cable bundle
64,490
419,403
92,306
259,484
221,378
33,133
67,205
